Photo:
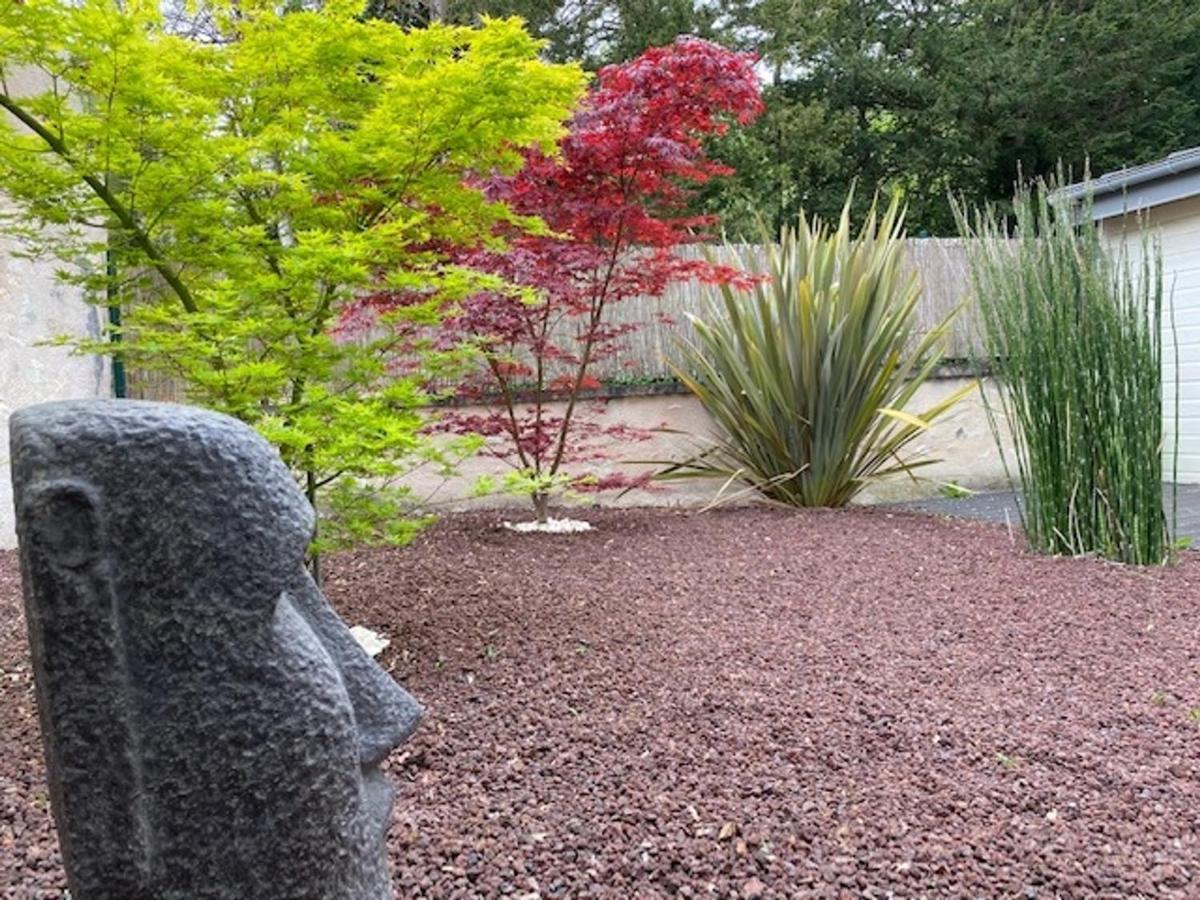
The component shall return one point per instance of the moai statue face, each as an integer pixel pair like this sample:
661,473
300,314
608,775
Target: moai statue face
211,728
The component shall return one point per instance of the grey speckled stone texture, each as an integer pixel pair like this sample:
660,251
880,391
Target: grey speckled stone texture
211,728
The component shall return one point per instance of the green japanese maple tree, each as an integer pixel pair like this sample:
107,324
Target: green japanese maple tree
247,179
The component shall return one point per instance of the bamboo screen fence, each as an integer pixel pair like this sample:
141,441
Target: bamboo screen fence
939,263
940,266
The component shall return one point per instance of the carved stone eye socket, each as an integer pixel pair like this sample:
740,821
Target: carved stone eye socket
65,524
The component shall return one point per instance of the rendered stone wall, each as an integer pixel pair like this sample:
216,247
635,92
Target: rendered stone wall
34,307
962,440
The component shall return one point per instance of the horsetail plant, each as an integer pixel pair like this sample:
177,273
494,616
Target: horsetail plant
1073,333
807,377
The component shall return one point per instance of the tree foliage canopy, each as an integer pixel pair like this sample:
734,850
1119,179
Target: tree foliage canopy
615,195
923,97
960,96
251,182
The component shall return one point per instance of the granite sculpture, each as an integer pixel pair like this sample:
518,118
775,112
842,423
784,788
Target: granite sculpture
211,728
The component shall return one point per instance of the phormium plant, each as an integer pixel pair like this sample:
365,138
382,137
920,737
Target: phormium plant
808,377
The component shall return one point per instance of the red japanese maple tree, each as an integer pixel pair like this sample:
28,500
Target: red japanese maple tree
615,200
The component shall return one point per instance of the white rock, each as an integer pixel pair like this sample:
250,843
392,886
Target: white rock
371,641
550,526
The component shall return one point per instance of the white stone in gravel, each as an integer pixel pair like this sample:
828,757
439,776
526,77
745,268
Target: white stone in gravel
550,526
371,641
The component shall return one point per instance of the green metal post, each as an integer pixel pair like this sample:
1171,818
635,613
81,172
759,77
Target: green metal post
120,389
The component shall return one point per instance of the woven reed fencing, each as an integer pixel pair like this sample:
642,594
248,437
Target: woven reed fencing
940,266
939,263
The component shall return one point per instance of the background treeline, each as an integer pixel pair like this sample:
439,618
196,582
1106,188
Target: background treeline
925,97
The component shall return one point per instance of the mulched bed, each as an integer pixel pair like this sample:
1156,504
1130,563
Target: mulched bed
755,704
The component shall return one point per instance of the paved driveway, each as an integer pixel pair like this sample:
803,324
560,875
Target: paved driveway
1001,506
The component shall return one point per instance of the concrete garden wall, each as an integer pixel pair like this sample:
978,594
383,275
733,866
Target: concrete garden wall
962,440
34,307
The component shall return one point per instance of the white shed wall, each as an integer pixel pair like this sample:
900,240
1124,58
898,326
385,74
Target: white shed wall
1177,226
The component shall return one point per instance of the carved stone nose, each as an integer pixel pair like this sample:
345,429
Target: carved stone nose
386,718
385,714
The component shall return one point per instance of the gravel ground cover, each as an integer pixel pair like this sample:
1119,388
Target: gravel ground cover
754,704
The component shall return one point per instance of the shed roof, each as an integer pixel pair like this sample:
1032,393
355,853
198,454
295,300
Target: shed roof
1177,177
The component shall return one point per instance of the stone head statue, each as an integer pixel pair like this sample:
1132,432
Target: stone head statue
211,728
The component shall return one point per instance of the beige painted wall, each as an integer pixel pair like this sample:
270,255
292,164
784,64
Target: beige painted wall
962,440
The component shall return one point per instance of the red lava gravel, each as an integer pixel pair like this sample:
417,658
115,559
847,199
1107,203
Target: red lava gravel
754,704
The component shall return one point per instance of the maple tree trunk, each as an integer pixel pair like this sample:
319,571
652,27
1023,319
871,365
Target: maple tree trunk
541,506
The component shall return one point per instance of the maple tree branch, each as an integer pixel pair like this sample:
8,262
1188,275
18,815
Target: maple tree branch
539,404
122,214
509,406
585,358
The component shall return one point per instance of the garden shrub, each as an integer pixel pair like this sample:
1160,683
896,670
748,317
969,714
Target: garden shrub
616,198
807,377
249,180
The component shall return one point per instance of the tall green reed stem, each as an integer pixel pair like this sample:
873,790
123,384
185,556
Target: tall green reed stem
1074,332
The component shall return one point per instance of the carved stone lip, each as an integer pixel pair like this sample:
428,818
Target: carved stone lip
378,741
378,796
